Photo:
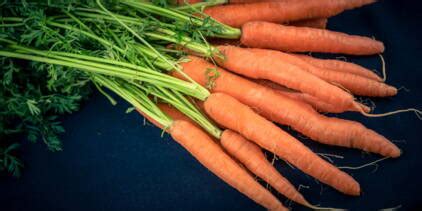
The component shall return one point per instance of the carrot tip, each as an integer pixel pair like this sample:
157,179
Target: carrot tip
392,91
396,153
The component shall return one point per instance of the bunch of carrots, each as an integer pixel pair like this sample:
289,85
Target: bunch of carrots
250,86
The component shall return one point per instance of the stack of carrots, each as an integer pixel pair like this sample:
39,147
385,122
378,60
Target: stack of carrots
261,81
222,102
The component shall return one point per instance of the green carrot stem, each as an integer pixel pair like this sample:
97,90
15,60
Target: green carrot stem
4,25
201,5
137,98
12,19
177,84
182,104
78,21
176,68
226,32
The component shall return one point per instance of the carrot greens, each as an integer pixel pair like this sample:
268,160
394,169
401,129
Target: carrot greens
52,53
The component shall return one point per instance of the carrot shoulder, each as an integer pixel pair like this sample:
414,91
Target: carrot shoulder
238,117
286,111
281,11
304,39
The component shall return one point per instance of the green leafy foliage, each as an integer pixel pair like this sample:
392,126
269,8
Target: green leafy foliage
9,162
32,94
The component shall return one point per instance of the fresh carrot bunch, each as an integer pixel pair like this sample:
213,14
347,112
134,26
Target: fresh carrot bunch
222,102
270,84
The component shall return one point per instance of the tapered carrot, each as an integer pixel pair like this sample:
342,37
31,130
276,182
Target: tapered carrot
354,83
238,117
251,156
286,111
341,66
302,39
319,23
314,22
257,66
281,11
314,102
201,146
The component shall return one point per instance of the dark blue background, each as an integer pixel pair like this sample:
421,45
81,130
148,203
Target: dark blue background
112,162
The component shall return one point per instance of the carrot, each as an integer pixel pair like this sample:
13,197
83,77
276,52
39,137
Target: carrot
238,117
338,65
250,155
314,23
302,39
281,11
354,83
319,23
296,114
314,102
270,67
201,146
254,159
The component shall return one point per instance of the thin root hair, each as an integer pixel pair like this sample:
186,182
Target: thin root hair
417,112
373,163
328,156
404,88
392,208
383,68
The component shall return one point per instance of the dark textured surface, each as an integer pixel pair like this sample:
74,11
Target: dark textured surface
112,162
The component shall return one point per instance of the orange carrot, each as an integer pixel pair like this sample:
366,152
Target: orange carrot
341,66
316,103
354,83
302,39
250,155
319,23
296,114
201,146
281,11
238,117
254,159
270,67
